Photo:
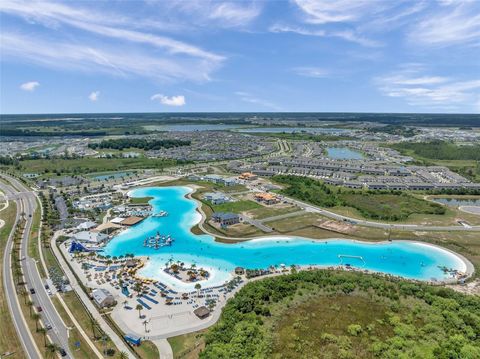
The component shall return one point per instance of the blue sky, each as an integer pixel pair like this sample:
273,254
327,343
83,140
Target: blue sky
298,55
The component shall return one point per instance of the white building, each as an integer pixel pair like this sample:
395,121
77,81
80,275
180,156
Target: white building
85,226
90,237
103,297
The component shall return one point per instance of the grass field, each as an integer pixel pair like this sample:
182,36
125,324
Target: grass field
90,164
376,205
187,346
8,340
140,200
265,212
147,350
389,206
235,207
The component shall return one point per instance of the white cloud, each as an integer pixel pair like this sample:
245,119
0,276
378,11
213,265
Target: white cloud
428,91
169,101
214,13
30,86
187,61
454,23
247,97
326,11
347,35
316,72
233,14
97,58
94,96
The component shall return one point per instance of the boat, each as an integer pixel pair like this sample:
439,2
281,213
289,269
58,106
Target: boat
161,214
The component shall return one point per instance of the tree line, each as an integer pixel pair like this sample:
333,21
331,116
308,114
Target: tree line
440,150
140,143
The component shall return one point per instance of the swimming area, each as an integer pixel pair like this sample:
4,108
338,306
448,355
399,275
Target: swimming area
411,260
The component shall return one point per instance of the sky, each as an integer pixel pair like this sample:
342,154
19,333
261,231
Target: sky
240,56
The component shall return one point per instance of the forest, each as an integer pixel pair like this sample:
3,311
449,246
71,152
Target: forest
381,205
123,143
440,150
338,314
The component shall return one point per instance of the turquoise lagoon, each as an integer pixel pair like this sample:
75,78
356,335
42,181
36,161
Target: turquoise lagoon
403,258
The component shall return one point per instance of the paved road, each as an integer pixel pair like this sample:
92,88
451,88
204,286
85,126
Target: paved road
257,223
26,201
121,346
23,331
406,227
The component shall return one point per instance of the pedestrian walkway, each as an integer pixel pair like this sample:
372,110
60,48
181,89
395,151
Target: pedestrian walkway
121,346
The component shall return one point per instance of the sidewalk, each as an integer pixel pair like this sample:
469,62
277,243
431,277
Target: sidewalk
121,346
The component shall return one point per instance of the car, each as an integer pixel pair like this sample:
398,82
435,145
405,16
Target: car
32,291
46,286
62,352
49,292
39,309
48,326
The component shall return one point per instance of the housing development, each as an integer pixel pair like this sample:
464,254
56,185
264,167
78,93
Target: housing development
156,248
239,179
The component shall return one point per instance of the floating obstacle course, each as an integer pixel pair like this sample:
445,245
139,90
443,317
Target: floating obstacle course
158,241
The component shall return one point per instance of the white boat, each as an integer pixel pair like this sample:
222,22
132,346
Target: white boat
161,214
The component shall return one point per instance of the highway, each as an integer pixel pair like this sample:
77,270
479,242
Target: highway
24,335
26,203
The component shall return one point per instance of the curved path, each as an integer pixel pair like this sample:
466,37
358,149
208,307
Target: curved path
121,346
406,227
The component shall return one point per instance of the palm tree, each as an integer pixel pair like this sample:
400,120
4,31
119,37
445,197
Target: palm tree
137,288
44,332
198,286
93,323
122,355
18,274
51,348
139,307
145,325
36,317
30,306
24,294
125,302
